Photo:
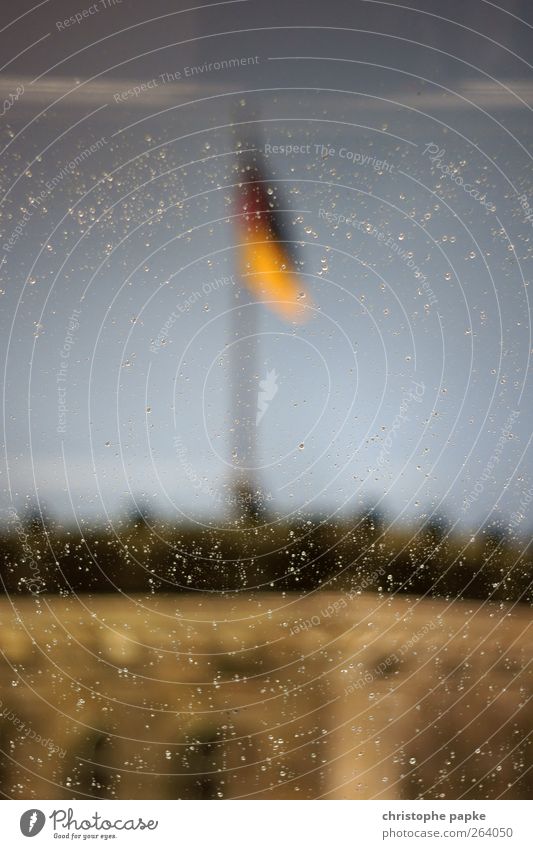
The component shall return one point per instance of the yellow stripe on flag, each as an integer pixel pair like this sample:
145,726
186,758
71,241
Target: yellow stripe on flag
267,272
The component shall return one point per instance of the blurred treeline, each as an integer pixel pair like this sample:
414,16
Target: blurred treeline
141,555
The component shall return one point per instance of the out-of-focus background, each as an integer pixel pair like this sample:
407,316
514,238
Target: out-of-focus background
244,556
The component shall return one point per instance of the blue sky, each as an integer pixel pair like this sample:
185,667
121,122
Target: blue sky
411,281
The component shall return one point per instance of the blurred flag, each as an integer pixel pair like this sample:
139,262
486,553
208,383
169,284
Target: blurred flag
267,263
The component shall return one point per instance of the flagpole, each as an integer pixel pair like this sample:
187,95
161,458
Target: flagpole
267,269
243,377
243,385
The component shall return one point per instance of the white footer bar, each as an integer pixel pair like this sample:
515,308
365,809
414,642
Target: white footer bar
267,824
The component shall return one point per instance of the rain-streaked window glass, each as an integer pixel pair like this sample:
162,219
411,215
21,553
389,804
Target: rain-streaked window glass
266,486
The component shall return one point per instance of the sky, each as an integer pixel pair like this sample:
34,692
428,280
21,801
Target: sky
395,140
